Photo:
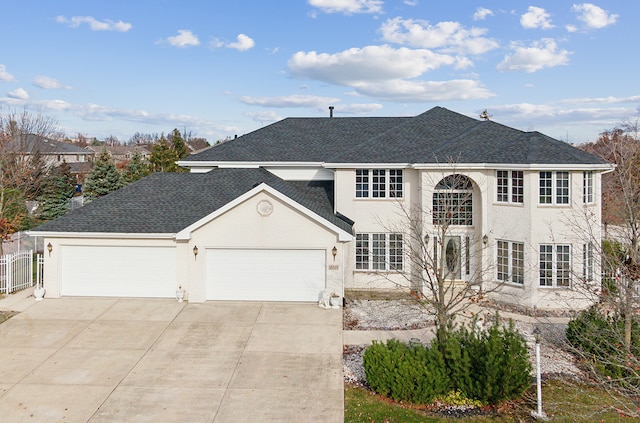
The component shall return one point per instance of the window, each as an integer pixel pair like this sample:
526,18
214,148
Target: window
510,186
362,183
379,251
587,261
587,187
453,201
554,187
510,262
379,183
555,265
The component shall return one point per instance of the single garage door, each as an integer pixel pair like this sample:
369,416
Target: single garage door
265,275
118,271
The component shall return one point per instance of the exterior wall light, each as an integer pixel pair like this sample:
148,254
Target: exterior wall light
334,252
485,239
195,252
49,248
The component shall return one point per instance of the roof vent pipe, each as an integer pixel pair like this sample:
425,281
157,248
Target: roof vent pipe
331,111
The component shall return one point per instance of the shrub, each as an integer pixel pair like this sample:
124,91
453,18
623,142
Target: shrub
489,366
599,338
413,373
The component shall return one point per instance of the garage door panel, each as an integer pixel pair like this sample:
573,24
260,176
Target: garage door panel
118,271
265,275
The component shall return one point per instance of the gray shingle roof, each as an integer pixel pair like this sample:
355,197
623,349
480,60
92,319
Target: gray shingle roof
166,203
436,136
31,143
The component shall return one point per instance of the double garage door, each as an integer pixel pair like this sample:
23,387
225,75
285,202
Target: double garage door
265,275
118,271
231,274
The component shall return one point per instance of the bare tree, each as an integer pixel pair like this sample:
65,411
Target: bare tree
18,125
444,258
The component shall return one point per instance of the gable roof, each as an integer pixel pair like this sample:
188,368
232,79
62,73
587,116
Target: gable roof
31,143
437,136
166,203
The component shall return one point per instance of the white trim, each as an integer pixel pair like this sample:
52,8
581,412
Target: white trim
245,164
512,166
185,234
607,167
102,235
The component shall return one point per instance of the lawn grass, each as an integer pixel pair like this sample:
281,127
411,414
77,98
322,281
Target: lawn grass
564,401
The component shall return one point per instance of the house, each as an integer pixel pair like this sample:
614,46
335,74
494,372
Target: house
121,154
307,205
54,153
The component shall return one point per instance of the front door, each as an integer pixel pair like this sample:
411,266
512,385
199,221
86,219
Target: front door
452,257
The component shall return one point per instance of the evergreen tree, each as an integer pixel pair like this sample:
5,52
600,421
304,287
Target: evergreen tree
58,192
163,157
137,168
179,144
104,177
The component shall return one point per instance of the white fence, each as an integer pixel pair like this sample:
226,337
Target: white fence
16,271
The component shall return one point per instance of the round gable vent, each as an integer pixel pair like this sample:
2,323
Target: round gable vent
265,208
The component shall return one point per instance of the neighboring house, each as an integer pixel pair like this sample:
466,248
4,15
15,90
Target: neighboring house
309,204
121,154
54,153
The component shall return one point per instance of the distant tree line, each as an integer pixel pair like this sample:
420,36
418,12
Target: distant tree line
33,191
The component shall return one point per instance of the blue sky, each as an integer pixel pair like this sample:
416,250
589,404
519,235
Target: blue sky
226,67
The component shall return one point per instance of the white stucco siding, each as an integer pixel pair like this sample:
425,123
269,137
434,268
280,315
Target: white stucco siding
370,214
248,227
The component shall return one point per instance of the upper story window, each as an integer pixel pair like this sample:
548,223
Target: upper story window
453,201
510,186
554,187
587,187
379,183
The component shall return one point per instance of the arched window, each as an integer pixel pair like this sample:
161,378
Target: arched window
453,201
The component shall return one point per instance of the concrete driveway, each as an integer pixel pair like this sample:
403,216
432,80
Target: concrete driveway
135,360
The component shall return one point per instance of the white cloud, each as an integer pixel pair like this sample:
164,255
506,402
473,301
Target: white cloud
410,3
371,63
94,24
4,75
264,116
414,91
289,101
46,82
536,17
541,54
348,7
482,13
593,16
574,124
183,39
603,100
571,28
19,94
243,43
448,36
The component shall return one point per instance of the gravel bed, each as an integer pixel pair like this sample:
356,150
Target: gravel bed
402,315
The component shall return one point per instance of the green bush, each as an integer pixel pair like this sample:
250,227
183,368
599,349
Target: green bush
488,366
413,373
600,339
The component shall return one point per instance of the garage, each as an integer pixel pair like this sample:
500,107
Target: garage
117,271
265,274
